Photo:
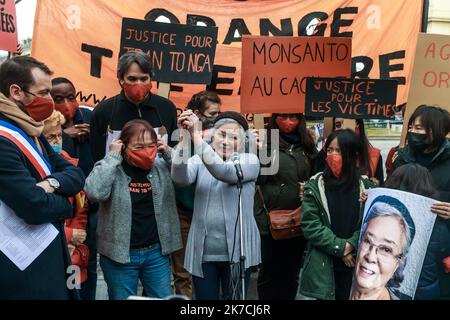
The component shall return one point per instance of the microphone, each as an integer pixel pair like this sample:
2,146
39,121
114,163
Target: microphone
237,166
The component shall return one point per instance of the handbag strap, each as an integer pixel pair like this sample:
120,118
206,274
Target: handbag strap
258,188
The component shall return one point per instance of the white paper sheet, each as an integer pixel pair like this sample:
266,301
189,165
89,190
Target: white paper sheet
20,242
112,134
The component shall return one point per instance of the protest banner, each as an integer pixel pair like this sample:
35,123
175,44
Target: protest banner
430,80
179,53
274,70
351,98
8,26
396,225
80,39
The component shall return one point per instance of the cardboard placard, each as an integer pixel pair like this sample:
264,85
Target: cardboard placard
430,80
8,26
274,70
179,53
351,98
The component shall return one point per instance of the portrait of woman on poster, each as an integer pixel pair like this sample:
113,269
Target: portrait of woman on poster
386,236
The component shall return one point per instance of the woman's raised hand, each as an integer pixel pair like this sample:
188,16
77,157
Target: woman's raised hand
116,146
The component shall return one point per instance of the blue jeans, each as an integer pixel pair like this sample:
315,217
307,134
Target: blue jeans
215,284
147,265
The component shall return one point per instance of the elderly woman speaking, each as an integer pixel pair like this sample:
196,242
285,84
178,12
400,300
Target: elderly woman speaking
214,239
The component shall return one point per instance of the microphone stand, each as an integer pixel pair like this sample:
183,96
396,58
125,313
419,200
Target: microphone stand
242,257
242,254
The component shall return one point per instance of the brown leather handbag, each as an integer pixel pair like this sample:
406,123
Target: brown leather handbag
283,224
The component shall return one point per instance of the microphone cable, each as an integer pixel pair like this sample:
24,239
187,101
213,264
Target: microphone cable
235,268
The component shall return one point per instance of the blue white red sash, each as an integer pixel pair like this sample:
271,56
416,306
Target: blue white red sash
27,146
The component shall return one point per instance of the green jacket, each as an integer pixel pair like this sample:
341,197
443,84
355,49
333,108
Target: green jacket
317,279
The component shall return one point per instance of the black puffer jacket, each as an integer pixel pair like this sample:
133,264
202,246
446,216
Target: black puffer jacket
433,282
281,190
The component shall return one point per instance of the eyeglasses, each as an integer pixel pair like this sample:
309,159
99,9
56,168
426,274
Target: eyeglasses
140,147
384,252
43,93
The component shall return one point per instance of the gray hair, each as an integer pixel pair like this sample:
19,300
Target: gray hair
127,59
382,209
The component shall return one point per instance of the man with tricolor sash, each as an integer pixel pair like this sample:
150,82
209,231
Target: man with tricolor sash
34,185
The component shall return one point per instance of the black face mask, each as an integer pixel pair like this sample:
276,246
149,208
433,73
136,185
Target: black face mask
208,122
417,142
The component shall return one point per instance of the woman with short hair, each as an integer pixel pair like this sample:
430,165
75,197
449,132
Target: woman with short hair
138,225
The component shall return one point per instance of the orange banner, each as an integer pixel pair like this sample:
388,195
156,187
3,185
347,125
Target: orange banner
80,39
430,79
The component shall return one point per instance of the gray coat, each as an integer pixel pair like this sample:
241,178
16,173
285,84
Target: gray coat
108,185
205,170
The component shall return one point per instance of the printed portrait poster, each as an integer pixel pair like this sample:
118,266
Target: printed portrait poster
394,237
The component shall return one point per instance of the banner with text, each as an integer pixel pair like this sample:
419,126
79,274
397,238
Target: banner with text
430,80
80,39
274,70
8,26
351,98
179,53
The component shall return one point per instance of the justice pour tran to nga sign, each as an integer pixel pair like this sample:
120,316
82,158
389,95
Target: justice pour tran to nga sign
179,53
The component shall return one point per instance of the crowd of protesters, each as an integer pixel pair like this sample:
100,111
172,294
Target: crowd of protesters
164,211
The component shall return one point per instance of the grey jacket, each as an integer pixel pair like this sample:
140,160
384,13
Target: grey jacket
206,169
108,185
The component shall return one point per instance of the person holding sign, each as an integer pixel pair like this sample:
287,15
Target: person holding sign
138,226
331,219
135,101
213,241
34,183
281,259
429,147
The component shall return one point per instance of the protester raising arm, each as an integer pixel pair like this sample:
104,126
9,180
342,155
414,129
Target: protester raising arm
99,182
221,170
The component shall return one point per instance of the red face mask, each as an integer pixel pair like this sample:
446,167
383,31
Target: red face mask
137,91
287,125
68,109
143,159
334,162
40,108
